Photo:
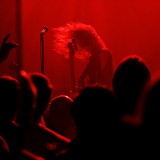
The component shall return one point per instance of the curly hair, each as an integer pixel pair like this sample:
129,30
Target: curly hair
85,36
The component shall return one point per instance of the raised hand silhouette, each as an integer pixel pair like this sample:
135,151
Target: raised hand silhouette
6,47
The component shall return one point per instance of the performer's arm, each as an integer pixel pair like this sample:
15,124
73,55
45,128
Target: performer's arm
83,75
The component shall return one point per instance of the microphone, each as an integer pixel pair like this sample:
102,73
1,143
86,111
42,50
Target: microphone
74,45
44,30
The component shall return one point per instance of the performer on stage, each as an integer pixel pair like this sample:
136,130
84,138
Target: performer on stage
88,45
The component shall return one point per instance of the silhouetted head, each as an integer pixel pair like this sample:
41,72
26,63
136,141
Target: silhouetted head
44,91
61,105
28,99
9,96
59,116
94,109
128,80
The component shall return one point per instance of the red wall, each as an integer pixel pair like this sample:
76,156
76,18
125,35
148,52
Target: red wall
8,24
127,27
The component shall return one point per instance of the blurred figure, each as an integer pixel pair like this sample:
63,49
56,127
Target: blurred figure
151,108
6,48
44,90
59,118
27,100
9,102
5,153
148,107
38,139
95,115
148,116
87,45
128,81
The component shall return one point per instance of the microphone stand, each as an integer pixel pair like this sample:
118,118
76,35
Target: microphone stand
42,52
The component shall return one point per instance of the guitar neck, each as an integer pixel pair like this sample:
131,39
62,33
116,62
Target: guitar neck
72,71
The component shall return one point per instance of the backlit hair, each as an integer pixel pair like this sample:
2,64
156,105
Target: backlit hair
85,36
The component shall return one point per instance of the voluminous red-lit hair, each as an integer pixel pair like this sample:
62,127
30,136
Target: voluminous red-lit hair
85,36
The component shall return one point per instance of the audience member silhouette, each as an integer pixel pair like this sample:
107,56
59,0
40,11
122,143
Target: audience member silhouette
147,114
39,139
128,81
24,118
9,102
59,116
28,99
95,115
44,91
151,107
